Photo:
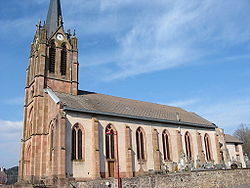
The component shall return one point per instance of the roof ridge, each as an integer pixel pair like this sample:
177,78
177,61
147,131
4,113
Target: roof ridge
164,105
232,139
99,102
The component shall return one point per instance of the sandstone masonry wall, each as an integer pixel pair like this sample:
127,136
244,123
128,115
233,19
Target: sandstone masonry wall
203,179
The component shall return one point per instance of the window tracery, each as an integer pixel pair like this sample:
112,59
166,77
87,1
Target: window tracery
166,145
110,143
140,144
77,142
188,146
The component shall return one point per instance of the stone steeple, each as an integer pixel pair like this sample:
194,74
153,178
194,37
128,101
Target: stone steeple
53,66
54,17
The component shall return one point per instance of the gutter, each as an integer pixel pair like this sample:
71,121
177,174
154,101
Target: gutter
231,142
66,108
52,95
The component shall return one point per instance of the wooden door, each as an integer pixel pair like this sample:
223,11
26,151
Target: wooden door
111,168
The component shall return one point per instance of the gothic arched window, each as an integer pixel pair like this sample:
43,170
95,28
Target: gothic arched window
110,142
63,59
166,145
79,148
52,57
77,138
188,145
140,144
73,144
208,147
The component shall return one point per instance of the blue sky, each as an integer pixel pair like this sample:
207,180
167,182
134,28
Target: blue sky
192,54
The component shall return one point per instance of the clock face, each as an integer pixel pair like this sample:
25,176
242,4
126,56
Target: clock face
59,37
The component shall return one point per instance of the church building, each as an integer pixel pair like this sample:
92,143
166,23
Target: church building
72,133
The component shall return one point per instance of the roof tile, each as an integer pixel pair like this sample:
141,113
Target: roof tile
116,105
232,139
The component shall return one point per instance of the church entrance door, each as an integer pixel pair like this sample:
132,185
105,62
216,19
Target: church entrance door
111,168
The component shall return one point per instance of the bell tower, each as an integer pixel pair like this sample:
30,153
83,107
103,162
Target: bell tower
54,55
61,71
53,65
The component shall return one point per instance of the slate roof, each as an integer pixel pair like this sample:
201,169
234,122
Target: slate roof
232,139
99,103
106,104
54,13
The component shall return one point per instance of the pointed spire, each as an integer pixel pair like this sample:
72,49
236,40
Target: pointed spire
54,17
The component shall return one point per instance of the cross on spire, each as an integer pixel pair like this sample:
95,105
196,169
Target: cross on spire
54,17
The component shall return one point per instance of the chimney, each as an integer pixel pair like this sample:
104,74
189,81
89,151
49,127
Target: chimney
178,116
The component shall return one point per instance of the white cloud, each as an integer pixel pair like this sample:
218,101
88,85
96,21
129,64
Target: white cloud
10,135
41,1
227,114
10,124
11,154
158,35
10,130
184,103
148,36
238,57
14,101
19,27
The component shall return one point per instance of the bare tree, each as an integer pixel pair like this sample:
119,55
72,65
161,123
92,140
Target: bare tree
243,133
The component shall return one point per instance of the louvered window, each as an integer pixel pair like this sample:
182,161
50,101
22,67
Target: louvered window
52,58
63,60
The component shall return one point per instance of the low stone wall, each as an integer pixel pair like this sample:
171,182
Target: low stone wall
202,179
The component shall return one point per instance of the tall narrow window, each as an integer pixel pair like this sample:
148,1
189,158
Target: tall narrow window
52,57
140,144
79,149
73,144
63,60
188,145
110,143
208,147
166,145
77,139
